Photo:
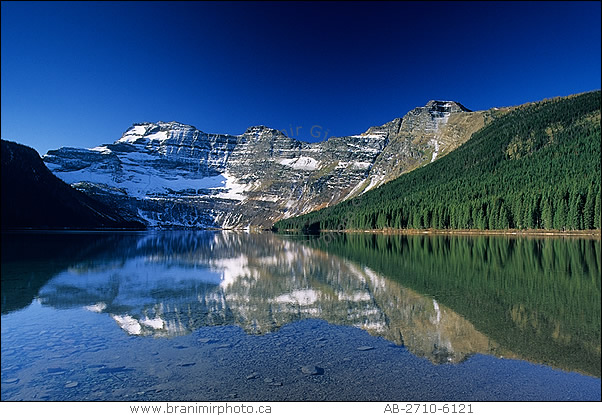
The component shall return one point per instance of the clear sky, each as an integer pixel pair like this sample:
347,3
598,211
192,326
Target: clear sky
80,73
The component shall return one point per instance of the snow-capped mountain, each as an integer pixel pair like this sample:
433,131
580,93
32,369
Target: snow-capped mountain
172,174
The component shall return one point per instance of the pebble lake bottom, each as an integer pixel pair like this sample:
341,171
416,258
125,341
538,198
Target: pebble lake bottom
223,316
309,360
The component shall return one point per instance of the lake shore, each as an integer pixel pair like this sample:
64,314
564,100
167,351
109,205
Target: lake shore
589,234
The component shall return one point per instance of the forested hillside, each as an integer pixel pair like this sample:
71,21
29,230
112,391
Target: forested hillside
537,167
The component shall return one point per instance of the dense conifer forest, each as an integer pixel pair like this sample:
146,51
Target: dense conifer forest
537,167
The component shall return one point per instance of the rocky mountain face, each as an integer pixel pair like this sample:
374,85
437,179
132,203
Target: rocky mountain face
171,174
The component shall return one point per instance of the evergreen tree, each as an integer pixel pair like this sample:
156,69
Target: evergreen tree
560,218
528,214
575,219
417,220
588,209
597,212
547,213
504,222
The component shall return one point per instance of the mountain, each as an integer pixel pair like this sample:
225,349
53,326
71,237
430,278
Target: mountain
536,167
32,197
172,174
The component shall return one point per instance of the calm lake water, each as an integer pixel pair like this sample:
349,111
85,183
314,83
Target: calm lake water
208,316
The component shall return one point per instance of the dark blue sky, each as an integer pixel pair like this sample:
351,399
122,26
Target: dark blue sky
80,73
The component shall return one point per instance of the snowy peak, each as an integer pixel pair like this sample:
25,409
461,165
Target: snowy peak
155,132
261,129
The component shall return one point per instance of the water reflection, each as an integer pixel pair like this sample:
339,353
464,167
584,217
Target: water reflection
538,297
169,284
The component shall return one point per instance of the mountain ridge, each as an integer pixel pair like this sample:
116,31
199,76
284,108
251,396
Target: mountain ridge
172,174
536,167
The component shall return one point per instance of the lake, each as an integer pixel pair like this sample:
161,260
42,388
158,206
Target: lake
227,316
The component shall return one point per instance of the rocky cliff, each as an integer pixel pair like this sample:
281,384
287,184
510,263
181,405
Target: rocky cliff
172,174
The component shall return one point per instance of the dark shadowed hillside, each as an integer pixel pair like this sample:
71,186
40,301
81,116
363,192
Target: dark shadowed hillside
32,197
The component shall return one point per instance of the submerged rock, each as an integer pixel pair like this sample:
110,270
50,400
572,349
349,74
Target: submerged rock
112,369
56,370
223,346
312,370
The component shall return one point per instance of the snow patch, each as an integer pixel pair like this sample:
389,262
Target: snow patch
375,181
300,163
376,326
101,149
97,308
353,191
355,297
435,143
376,280
268,198
234,189
301,297
128,323
155,323
158,136
231,269
141,183
438,311
360,165
379,134
133,134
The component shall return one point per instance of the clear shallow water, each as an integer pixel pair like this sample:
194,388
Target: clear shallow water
206,316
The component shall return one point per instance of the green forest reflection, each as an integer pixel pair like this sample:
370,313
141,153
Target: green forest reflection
539,299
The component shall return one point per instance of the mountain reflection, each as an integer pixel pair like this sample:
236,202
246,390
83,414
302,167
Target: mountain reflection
444,298
169,284
538,297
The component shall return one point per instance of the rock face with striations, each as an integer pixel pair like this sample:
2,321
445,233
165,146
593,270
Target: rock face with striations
171,174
